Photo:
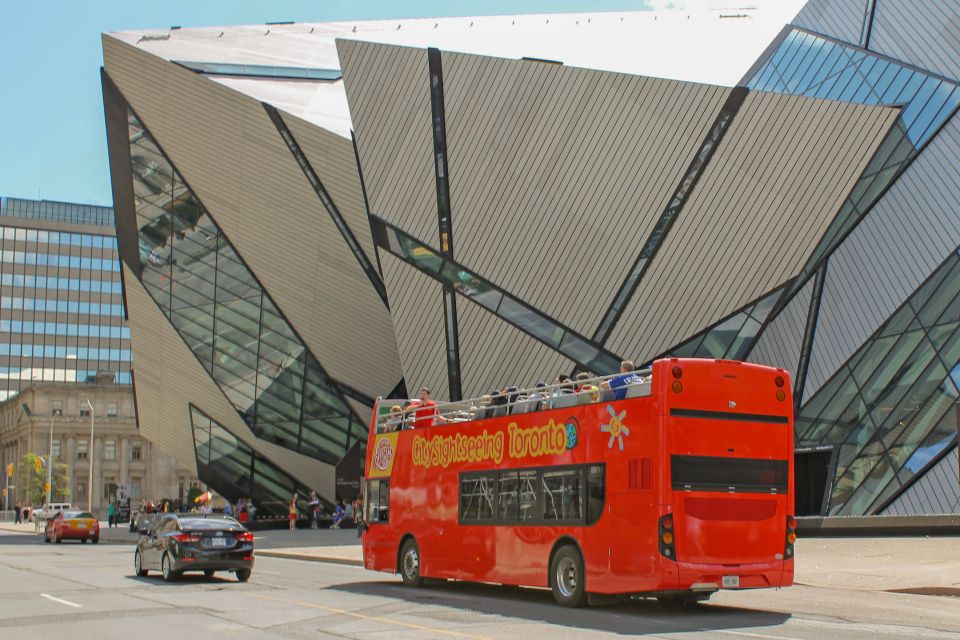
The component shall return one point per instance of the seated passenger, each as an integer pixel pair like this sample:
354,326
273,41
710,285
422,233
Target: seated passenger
394,419
619,384
539,395
583,386
563,385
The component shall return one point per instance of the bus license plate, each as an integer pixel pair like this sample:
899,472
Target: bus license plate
731,582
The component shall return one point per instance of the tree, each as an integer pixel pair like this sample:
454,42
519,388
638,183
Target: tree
33,480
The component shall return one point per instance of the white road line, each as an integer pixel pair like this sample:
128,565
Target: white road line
66,602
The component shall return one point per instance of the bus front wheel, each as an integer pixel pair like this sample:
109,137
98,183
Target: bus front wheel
410,564
567,577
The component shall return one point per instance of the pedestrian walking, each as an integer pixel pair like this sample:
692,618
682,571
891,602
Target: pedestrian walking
111,514
16,514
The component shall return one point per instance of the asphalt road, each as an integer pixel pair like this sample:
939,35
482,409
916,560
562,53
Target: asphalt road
84,591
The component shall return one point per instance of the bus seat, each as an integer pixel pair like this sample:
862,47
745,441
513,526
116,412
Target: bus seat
564,401
638,390
498,411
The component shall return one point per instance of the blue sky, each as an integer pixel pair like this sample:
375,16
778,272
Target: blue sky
52,142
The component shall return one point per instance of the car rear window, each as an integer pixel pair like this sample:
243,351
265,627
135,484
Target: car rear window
712,473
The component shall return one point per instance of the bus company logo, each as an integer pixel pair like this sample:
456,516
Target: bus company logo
442,451
615,427
383,455
572,425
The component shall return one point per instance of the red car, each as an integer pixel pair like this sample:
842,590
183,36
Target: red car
72,525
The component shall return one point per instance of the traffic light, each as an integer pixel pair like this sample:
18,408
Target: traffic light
37,464
4,495
10,470
46,487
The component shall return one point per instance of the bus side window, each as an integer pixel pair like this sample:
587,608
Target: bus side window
528,495
477,497
508,503
378,501
596,492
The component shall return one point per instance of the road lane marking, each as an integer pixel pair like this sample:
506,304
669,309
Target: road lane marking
66,602
345,612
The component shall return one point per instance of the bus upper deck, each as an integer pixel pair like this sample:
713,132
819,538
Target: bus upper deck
397,414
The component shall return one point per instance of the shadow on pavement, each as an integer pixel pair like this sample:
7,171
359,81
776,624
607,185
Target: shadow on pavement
628,618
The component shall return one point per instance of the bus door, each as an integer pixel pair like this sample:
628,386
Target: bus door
729,446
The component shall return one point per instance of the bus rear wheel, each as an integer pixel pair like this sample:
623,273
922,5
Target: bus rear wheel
410,564
567,579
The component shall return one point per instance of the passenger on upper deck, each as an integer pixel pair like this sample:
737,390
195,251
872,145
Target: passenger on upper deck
583,386
620,383
425,413
395,418
563,385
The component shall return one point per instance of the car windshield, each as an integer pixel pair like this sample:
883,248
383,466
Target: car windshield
202,523
77,514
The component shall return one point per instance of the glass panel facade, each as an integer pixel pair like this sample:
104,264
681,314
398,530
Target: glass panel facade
891,408
811,65
732,338
262,70
587,355
232,326
234,470
61,298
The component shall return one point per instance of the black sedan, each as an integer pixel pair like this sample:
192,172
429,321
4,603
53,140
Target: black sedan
179,543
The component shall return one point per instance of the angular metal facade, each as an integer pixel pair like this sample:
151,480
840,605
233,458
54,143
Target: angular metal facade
501,221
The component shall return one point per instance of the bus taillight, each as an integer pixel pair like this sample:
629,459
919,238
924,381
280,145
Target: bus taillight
666,540
677,372
791,537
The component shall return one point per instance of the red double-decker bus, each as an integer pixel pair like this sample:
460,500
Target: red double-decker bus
674,486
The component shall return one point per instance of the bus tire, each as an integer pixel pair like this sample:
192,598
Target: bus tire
410,564
567,577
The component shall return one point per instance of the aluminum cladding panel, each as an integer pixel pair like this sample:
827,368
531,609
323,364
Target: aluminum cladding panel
495,354
889,254
776,181
841,19
234,159
416,304
169,378
780,343
925,33
558,174
388,90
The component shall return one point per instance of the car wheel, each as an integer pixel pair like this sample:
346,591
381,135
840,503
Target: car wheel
243,575
138,564
166,566
567,577
209,573
410,564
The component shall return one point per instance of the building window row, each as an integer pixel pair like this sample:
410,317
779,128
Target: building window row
51,351
65,329
57,211
56,260
61,238
61,284
60,306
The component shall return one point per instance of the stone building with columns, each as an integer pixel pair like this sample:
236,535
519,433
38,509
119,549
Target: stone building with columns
124,462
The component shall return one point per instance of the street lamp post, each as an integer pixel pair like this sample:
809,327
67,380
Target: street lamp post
50,462
91,449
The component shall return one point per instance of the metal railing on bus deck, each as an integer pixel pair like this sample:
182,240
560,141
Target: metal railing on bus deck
554,396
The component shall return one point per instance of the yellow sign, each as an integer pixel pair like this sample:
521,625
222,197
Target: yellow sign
46,487
37,464
10,470
524,442
384,453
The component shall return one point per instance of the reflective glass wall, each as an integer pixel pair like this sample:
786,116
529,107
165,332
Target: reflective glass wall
226,318
234,470
61,297
892,407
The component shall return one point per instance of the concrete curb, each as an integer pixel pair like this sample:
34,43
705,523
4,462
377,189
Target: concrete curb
878,526
273,553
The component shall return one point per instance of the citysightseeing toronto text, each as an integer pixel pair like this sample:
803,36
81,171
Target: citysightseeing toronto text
530,442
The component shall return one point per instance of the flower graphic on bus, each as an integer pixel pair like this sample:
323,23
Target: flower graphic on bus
615,427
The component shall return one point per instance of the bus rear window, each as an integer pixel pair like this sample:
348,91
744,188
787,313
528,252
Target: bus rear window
731,475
